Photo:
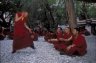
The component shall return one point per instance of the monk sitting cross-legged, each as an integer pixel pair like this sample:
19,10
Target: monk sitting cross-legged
66,40
49,35
78,46
34,35
2,36
59,34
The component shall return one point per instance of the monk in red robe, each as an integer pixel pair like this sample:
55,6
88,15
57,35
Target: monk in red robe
49,35
65,40
22,33
46,37
59,34
78,46
34,35
2,35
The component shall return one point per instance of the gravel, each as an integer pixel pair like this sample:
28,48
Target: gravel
45,53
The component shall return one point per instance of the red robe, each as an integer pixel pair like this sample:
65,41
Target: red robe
80,47
62,45
47,36
22,36
59,35
52,36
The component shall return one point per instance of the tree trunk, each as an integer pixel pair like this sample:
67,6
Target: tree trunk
71,14
51,19
84,9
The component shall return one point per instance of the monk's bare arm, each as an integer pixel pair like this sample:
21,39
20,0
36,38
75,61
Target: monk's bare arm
53,40
62,39
68,39
27,27
18,18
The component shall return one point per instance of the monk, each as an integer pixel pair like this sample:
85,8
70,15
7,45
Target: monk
79,46
2,35
65,40
11,35
59,34
22,33
34,35
46,36
49,35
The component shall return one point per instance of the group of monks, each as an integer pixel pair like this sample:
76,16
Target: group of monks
68,42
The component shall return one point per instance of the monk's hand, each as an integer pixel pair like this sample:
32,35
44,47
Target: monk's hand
22,17
69,47
61,39
65,40
73,45
32,36
49,40
30,31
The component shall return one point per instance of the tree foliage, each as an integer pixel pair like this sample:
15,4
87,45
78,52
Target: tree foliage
46,12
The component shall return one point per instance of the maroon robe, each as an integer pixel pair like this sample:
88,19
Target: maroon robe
80,45
22,36
49,35
63,44
79,48
59,35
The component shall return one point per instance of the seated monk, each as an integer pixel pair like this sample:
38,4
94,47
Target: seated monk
59,34
65,40
49,35
11,35
2,36
46,37
34,35
78,46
